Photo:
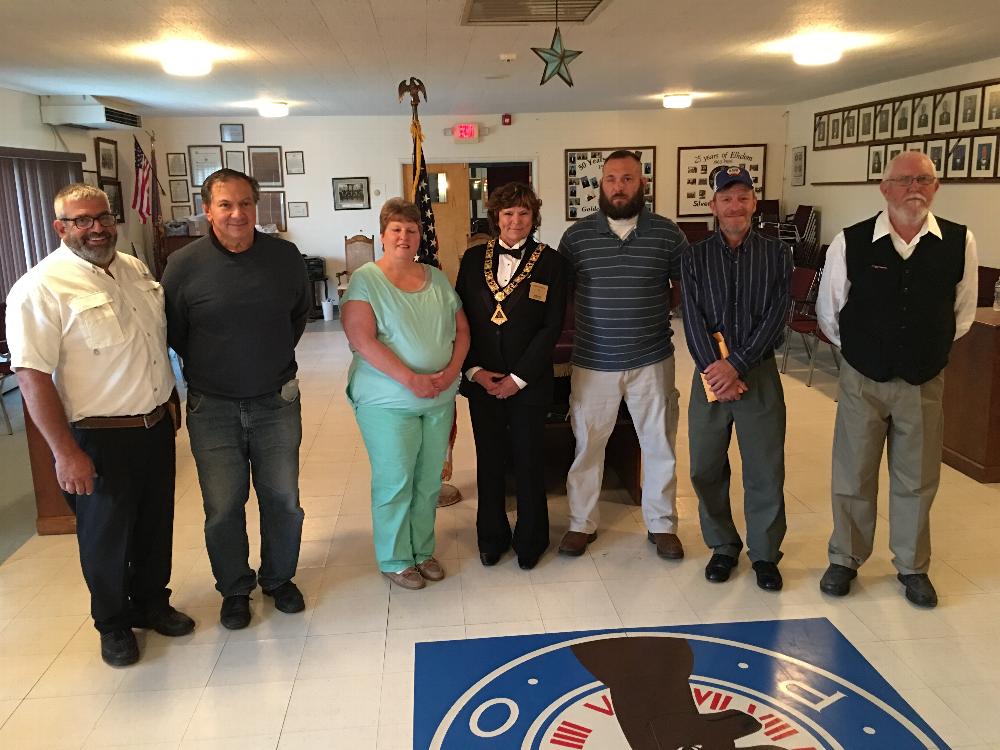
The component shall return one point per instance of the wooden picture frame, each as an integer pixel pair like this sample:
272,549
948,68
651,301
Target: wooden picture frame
351,193
798,178
699,162
984,157
959,152
944,112
113,188
90,177
231,132
177,165
902,119
876,163
106,156
849,128
970,108
991,106
582,170
265,165
819,131
883,121
866,124
937,152
835,121
923,115
179,192
295,162
204,160
271,209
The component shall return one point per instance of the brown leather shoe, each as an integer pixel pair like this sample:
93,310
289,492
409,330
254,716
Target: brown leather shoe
668,546
574,543
431,570
407,579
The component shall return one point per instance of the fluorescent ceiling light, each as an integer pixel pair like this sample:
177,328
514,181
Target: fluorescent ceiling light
820,47
273,109
184,57
677,101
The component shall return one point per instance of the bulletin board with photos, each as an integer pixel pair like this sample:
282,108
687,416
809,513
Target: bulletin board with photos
696,165
957,127
583,177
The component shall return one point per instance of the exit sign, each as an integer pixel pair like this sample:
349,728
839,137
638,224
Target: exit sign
465,132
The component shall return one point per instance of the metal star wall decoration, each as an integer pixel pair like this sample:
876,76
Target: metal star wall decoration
557,59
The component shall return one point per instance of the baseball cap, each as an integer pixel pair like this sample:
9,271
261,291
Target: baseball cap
728,175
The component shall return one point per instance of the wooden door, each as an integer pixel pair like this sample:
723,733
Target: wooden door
451,218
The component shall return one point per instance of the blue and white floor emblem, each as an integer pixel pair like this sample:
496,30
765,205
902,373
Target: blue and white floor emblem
786,684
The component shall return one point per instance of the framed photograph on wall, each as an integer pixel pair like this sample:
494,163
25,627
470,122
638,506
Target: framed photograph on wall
179,192
180,213
271,209
114,190
236,160
866,124
984,156
944,112
265,165
199,206
295,162
106,153
849,128
991,106
876,162
957,163
936,152
798,166
835,122
919,146
298,209
351,193
91,178
902,122
893,150
204,160
883,120
923,113
970,103
177,165
230,132
819,131
699,162
582,171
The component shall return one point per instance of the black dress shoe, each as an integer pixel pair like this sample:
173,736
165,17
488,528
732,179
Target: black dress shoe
768,575
167,622
527,563
235,614
719,567
919,589
489,559
119,648
287,598
836,581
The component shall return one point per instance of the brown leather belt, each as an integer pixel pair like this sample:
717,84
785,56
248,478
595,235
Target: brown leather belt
109,423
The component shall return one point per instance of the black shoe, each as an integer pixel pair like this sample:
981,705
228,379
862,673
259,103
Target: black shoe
719,567
167,622
235,614
527,563
489,559
836,581
919,589
119,648
287,598
768,575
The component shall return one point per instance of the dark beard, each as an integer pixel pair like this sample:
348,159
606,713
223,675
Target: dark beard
627,211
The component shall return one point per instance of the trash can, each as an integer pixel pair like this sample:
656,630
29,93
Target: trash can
327,309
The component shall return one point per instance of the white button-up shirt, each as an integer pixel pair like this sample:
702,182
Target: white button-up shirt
835,285
102,336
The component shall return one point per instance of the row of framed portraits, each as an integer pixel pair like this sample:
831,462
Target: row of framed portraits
964,109
961,158
263,163
272,208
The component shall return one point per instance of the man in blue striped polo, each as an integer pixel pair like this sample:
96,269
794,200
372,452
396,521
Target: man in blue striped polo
623,259
735,284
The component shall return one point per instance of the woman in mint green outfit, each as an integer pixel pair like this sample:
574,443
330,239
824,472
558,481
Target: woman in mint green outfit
409,336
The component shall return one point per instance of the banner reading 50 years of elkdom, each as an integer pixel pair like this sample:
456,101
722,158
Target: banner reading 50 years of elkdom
696,165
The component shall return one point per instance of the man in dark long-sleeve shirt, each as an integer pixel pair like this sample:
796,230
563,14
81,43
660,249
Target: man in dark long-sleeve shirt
237,302
735,284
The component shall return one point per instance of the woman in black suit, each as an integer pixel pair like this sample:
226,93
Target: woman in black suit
513,291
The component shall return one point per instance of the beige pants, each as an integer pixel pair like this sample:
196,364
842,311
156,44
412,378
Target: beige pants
908,419
652,398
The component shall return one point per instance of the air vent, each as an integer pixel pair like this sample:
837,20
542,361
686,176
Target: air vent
119,117
482,12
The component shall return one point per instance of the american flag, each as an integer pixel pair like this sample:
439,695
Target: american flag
428,252
141,195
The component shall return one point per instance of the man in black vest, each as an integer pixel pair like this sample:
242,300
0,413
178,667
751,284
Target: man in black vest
896,291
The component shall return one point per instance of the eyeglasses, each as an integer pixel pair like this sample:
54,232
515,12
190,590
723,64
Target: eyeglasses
86,222
909,179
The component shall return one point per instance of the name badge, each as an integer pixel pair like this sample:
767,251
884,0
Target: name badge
538,291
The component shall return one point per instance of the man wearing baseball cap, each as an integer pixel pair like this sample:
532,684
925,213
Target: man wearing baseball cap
736,300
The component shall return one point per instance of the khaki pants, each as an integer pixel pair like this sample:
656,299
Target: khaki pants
909,419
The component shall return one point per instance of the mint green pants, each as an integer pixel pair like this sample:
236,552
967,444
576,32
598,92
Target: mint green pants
406,449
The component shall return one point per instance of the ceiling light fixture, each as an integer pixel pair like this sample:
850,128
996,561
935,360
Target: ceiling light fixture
272,109
820,47
677,101
187,58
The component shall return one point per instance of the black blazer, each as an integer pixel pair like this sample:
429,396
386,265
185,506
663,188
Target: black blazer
523,345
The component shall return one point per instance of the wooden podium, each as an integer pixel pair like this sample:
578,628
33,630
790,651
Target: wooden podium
54,515
972,400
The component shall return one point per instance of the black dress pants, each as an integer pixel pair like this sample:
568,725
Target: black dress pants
126,527
505,429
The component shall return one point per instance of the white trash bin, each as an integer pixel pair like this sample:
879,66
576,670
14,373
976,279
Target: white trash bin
327,309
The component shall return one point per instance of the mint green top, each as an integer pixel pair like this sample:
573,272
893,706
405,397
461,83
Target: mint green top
419,327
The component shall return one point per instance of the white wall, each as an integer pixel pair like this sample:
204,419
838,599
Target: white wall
843,205
21,127
377,146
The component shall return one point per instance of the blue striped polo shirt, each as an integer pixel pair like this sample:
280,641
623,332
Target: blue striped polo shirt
623,290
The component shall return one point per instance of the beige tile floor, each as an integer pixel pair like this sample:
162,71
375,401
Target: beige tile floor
340,674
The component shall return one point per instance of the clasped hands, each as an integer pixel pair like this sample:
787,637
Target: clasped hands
429,386
496,384
725,381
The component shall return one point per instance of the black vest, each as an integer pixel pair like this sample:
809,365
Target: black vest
899,320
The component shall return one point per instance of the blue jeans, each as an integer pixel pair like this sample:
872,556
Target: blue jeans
232,440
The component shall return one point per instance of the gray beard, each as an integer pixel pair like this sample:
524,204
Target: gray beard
627,211
99,257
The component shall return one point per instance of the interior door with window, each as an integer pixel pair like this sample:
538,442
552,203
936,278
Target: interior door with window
450,189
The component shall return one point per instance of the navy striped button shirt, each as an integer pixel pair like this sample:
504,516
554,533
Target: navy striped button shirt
742,293
623,291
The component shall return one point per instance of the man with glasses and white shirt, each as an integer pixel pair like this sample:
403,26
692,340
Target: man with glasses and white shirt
897,289
87,335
